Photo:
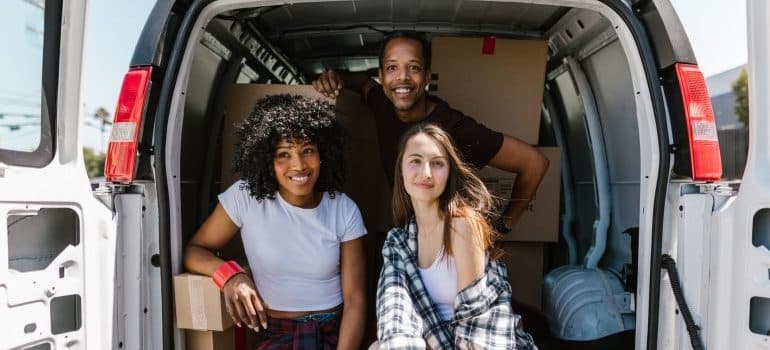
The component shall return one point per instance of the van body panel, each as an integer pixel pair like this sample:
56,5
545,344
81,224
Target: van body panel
666,31
158,32
137,278
687,240
57,242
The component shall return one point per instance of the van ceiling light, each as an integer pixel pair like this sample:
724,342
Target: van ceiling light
705,159
120,164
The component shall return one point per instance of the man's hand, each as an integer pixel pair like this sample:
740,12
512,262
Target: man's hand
329,83
243,303
520,158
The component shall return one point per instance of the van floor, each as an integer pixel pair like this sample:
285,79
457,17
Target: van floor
536,324
619,341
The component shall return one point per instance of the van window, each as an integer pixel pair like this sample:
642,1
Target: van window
28,66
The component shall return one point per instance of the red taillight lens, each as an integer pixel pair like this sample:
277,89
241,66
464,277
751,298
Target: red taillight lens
705,159
120,163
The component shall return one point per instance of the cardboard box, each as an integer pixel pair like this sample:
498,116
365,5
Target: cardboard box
199,304
210,340
540,223
524,261
502,89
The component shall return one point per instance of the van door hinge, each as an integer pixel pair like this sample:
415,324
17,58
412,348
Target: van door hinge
720,189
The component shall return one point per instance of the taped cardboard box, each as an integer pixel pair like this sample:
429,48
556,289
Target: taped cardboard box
498,82
210,340
524,262
199,304
540,223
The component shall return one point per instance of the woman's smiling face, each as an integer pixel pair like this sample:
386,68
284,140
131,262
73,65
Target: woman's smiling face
425,168
297,165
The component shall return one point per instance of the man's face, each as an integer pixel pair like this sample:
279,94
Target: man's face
403,74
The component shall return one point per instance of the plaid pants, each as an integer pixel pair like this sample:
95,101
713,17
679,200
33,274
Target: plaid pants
312,332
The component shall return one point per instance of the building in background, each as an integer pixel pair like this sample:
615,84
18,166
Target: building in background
722,98
733,135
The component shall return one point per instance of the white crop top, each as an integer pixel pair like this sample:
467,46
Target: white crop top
294,253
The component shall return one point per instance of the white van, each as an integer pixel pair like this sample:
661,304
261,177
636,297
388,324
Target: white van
622,97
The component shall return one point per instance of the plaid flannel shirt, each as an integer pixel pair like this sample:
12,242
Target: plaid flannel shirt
407,318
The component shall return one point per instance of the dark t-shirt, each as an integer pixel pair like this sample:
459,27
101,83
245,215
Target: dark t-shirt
477,143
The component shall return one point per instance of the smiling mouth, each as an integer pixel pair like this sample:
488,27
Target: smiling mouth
402,91
300,179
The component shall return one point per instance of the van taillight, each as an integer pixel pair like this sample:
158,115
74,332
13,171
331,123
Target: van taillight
705,159
120,164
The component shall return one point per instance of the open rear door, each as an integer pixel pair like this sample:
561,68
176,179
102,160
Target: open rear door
739,309
57,242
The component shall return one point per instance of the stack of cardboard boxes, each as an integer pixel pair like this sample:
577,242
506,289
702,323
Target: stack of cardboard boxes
499,82
200,310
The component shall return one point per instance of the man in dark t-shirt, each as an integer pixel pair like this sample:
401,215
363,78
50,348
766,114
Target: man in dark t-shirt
401,100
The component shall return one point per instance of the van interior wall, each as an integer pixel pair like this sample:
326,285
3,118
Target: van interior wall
203,95
608,74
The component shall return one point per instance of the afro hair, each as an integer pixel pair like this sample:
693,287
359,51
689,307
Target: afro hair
294,117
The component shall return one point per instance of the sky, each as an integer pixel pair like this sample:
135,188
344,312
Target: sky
112,30
716,28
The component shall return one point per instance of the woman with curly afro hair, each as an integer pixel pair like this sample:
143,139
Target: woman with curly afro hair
302,236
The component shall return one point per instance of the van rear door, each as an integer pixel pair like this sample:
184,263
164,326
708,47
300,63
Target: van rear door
57,242
739,312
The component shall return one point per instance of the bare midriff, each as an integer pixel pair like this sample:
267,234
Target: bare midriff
296,314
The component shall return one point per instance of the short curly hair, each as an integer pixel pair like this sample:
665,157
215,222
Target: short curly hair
287,116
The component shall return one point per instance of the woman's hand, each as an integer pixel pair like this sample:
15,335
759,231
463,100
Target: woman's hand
243,303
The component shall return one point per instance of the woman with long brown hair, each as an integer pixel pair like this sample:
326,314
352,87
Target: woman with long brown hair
441,285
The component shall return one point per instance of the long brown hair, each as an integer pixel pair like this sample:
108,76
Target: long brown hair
465,195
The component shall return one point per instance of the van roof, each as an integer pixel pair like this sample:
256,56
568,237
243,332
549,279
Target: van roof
322,35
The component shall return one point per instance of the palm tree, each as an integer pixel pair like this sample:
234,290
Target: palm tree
103,116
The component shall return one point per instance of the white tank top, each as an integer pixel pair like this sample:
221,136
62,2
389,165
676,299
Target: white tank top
440,279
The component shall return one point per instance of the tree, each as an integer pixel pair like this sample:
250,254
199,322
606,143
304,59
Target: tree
104,119
741,93
102,115
94,162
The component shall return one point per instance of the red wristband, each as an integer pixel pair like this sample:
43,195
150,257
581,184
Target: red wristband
225,271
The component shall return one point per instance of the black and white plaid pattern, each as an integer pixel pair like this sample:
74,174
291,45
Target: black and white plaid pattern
407,318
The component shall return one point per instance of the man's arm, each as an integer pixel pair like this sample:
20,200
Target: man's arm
518,157
330,82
